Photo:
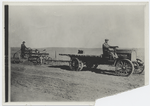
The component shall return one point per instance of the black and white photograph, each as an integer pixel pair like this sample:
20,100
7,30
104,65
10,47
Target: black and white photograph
75,52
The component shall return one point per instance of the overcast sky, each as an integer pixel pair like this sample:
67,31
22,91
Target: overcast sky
76,26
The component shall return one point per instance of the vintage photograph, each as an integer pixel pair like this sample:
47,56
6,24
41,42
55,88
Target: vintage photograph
75,52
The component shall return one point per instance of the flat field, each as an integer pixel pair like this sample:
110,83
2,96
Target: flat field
56,82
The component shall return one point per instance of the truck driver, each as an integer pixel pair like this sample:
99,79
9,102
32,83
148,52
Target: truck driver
107,49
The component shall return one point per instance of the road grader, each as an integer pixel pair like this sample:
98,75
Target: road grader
126,63
32,55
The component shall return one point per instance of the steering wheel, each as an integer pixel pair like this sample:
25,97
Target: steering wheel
113,48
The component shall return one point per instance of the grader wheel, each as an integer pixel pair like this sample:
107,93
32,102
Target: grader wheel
49,60
38,61
124,67
76,64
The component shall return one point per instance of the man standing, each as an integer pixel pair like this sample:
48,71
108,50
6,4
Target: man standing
106,49
23,48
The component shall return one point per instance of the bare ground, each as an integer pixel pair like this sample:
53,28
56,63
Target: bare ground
56,82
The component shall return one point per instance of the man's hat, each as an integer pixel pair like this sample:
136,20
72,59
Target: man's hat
106,39
23,41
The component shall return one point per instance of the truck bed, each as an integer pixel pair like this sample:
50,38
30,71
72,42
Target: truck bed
80,55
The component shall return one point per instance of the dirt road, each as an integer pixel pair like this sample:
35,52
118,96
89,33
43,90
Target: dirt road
57,83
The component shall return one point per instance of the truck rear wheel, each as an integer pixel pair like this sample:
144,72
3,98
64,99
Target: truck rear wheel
76,64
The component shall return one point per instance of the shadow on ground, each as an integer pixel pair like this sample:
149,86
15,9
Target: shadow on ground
64,67
99,71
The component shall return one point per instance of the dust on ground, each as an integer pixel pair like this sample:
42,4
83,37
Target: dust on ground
56,82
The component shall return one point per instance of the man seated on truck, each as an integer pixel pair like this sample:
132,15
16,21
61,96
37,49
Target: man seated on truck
107,50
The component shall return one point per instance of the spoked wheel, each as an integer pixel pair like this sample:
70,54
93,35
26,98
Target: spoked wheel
49,60
38,61
44,61
26,56
124,68
76,64
140,67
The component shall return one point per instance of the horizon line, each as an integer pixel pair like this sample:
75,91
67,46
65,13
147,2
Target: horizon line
76,47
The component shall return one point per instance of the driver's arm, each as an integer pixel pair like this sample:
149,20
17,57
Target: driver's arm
113,46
